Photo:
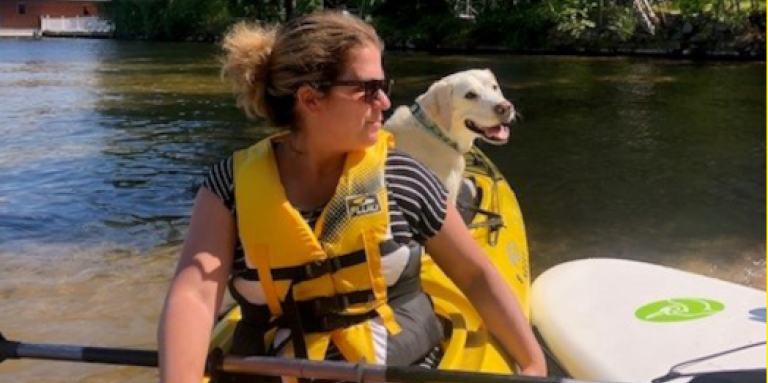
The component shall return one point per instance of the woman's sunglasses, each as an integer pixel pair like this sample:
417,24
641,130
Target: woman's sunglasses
370,88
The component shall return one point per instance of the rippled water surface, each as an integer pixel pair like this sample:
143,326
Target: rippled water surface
103,145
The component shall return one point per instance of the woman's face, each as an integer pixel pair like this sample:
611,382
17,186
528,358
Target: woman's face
348,119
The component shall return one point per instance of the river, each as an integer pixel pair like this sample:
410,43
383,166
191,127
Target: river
104,143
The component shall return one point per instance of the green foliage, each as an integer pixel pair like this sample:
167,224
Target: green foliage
733,12
521,25
269,11
216,19
172,20
621,22
435,24
736,20
181,18
691,8
424,24
304,7
573,17
136,19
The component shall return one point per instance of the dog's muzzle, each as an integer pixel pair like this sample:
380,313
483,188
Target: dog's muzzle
496,134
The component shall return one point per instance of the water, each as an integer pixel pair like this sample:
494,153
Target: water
103,145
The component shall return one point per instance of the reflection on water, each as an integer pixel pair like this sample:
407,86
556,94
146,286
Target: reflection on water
109,140
669,170
103,145
97,295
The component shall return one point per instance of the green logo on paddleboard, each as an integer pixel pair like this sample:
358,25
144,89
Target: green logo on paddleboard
678,310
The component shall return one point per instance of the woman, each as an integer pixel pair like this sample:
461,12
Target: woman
318,230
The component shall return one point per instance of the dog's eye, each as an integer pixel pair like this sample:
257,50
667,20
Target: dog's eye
495,87
470,95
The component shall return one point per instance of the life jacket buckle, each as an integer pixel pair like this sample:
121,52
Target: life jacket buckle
321,267
331,305
316,269
333,322
329,323
343,302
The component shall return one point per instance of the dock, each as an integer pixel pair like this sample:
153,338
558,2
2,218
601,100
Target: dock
93,27
87,27
19,33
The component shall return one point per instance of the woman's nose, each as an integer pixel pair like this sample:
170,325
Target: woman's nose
382,100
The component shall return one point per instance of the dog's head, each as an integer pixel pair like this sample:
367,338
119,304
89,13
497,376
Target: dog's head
468,105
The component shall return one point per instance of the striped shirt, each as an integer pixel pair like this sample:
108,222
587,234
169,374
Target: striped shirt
417,207
417,200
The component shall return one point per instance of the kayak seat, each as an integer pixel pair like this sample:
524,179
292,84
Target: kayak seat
468,200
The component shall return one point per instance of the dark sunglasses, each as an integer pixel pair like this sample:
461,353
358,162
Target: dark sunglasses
371,88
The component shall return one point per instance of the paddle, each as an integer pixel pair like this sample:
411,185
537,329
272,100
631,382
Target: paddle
125,357
263,365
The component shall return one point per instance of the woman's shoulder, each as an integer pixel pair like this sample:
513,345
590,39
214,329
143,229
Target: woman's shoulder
401,165
399,160
220,180
395,154
221,175
417,192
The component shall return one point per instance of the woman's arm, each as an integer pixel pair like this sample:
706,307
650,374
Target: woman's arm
196,291
463,261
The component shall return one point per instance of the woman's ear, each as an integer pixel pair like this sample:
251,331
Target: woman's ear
308,99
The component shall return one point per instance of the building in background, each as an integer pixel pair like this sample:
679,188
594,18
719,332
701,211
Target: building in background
54,17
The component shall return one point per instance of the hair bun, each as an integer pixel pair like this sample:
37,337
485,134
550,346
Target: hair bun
247,48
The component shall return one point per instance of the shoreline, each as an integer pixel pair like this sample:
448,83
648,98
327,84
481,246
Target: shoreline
670,49
658,53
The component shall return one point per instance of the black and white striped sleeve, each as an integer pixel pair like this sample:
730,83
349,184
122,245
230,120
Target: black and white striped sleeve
220,181
419,194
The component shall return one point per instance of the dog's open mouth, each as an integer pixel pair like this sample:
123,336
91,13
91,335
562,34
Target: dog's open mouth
497,135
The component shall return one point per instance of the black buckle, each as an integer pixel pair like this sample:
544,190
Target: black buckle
331,322
316,269
330,305
319,268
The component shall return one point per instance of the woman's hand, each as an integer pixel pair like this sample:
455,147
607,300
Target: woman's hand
539,370
463,261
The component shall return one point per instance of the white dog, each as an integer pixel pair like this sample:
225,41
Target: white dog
445,121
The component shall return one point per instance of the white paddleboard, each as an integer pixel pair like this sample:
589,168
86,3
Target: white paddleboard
616,320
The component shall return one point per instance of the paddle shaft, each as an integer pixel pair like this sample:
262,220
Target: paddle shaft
263,365
332,370
120,356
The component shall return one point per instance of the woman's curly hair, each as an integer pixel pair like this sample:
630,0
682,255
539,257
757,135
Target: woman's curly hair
266,64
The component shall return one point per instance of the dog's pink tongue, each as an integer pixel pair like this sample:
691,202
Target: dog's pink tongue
498,133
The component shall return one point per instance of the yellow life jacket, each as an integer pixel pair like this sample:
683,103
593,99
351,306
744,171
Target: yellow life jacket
334,271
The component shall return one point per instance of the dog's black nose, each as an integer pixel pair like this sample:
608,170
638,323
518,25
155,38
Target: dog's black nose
503,108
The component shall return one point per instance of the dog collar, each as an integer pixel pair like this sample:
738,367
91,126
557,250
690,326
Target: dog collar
430,126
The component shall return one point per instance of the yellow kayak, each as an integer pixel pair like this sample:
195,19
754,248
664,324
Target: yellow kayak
497,225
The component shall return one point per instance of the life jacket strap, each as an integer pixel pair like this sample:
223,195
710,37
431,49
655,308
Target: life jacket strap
294,321
316,317
316,269
265,275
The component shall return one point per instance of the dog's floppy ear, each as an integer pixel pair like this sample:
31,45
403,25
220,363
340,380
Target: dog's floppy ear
437,102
